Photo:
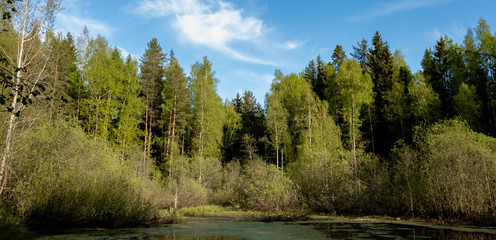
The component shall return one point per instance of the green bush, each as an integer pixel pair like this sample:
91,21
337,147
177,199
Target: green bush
265,188
458,171
63,179
229,191
325,182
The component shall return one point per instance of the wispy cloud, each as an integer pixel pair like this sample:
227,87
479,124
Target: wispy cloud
456,32
291,45
212,23
392,7
70,23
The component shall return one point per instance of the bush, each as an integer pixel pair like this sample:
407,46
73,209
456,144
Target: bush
65,179
229,192
265,188
324,181
458,171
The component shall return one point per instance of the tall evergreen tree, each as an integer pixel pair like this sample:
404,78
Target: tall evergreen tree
62,74
438,70
360,53
252,126
317,73
152,76
176,108
338,57
381,71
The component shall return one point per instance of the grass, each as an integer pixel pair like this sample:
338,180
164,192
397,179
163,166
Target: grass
230,212
213,211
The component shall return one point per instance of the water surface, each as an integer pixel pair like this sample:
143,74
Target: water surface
228,229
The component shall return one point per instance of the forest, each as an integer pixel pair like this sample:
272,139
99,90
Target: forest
94,138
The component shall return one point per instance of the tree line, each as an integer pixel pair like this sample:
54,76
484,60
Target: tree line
360,134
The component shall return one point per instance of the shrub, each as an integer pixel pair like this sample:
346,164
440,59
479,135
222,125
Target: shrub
229,191
65,179
266,188
459,171
325,182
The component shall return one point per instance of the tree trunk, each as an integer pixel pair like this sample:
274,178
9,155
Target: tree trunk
146,132
309,125
52,101
173,131
282,160
371,130
13,105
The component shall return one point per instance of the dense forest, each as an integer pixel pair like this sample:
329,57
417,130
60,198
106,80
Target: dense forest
94,138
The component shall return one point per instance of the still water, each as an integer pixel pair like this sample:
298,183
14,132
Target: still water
218,229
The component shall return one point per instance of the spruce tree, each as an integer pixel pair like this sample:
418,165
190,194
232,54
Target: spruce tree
381,71
152,77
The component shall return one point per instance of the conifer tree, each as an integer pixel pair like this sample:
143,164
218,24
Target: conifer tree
381,71
176,107
62,74
152,76
360,53
338,57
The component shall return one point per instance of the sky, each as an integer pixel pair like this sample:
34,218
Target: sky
247,40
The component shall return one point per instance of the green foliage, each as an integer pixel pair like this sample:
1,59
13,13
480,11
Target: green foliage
324,180
266,188
467,106
64,179
111,108
425,102
61,80
176,110
208,114
229,192
206,210
459,179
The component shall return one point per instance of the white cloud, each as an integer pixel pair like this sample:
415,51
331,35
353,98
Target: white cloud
211,23
75,25
291,45
396,6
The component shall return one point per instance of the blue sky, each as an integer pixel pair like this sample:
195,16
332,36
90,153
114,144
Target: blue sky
246,40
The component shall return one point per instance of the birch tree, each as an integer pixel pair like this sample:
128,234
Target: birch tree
30,22
208,112
356,90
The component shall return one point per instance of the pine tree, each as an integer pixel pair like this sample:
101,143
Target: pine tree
338,57
360,53
176,107
152,76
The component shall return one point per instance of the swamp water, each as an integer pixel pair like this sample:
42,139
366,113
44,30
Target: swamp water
228,229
